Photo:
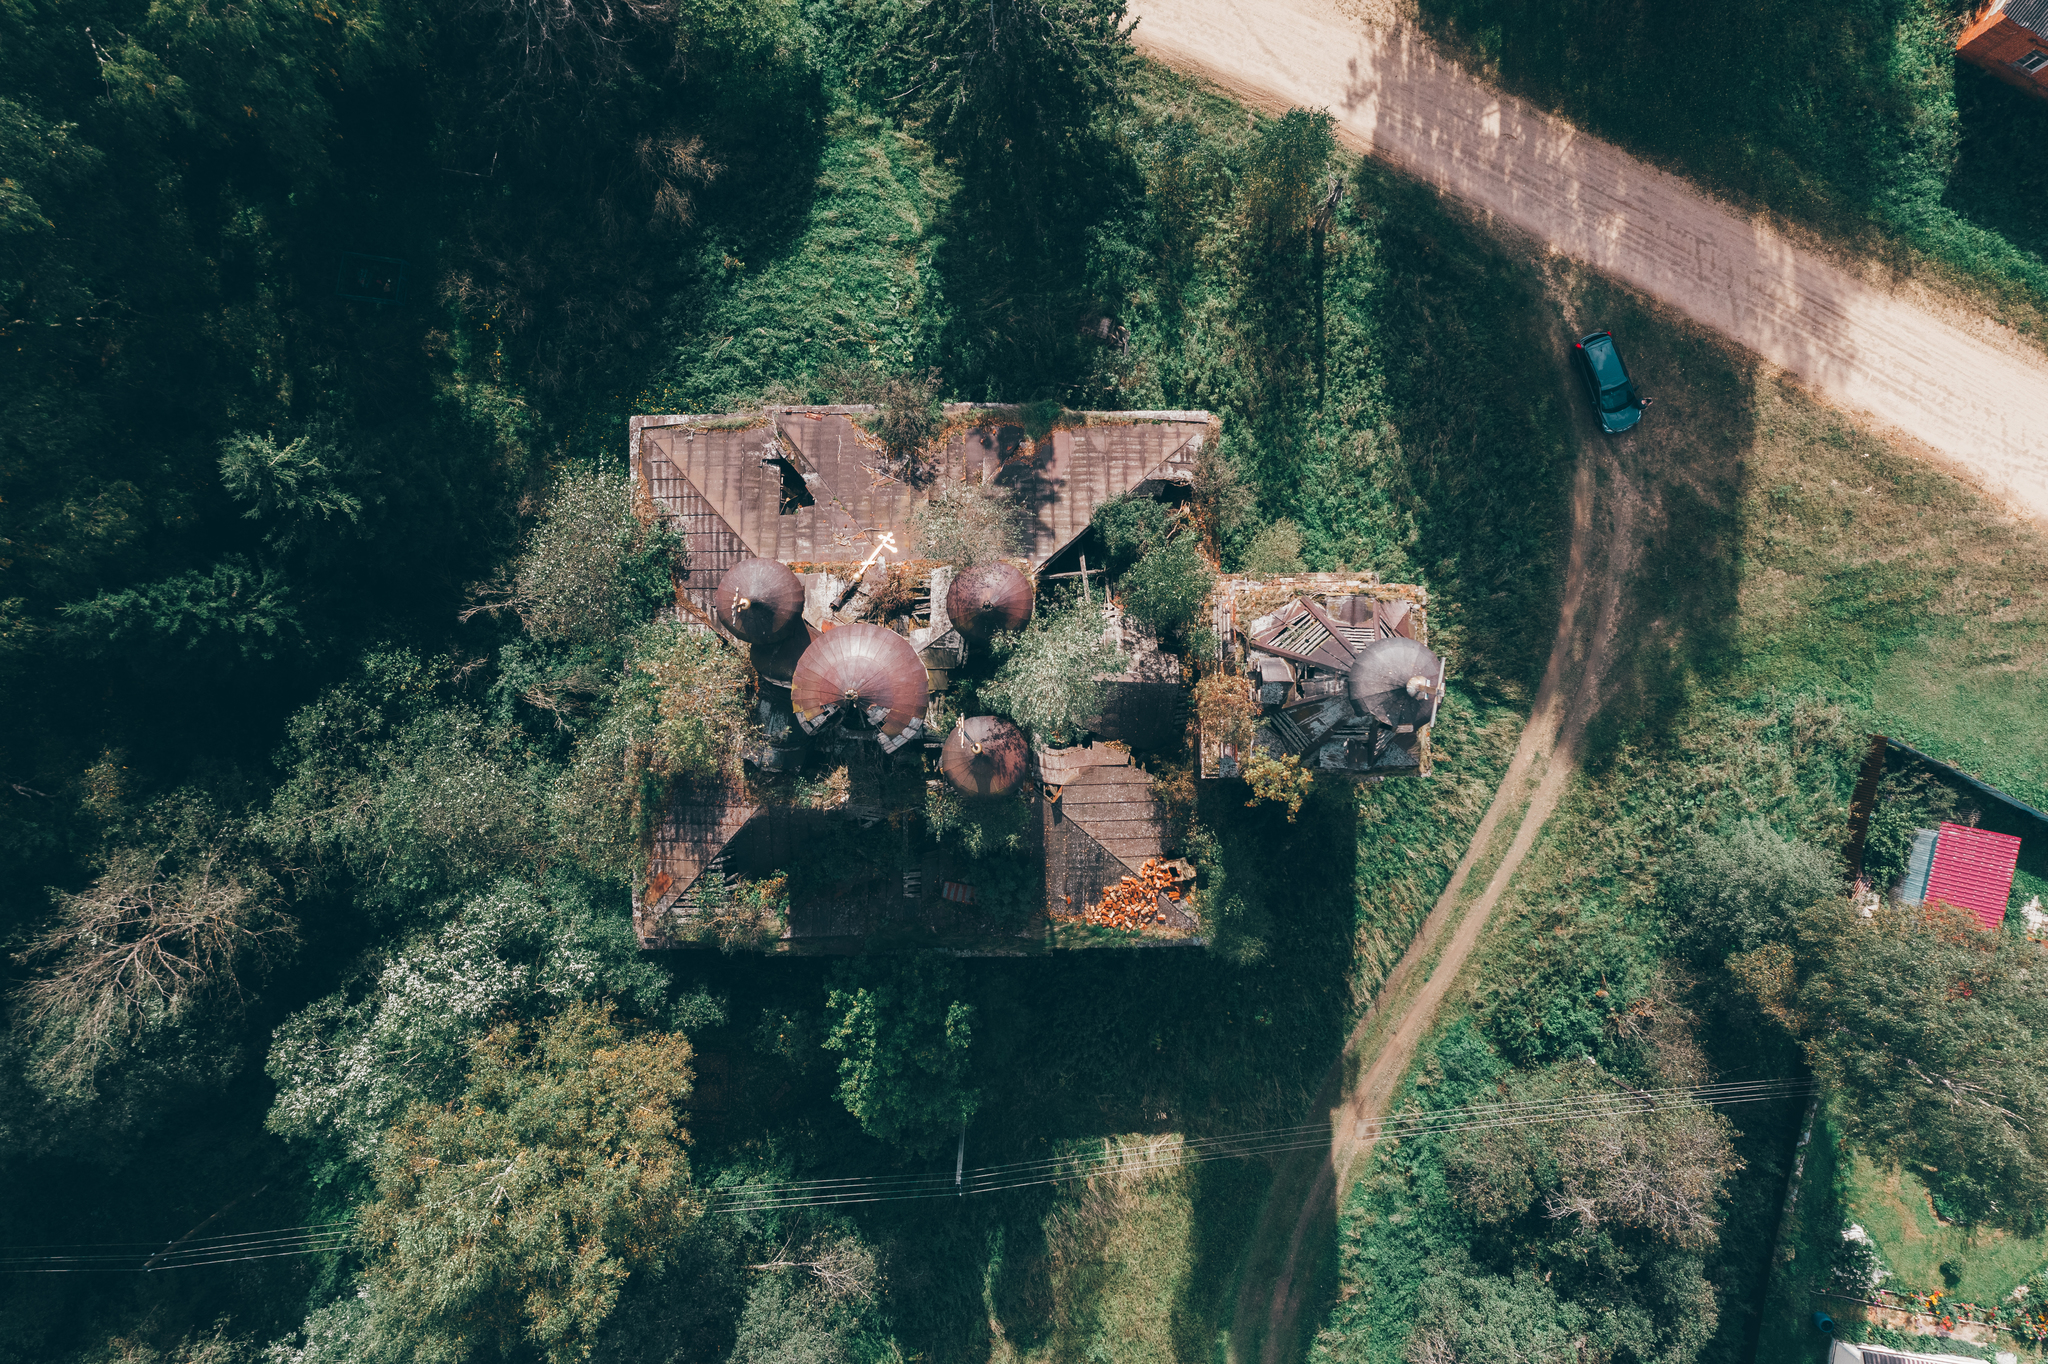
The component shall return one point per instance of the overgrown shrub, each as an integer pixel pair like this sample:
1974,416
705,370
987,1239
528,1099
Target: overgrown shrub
594,567
1165,590
1048,681
1907,801
965,526
1736,890
1227,712
902,1036
909,415
1130,526
1274,551
981,827
1281,780
699,697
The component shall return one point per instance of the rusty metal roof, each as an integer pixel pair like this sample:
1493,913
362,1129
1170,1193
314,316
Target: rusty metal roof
985,756
729,482
759,600
874,671
985,600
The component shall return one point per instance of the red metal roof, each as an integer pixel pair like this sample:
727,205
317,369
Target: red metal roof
1973,870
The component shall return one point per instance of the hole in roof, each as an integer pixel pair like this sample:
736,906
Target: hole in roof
796,494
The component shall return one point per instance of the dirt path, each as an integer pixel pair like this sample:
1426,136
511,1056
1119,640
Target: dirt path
1965,387
1609,506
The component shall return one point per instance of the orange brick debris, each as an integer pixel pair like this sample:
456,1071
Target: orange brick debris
1133,903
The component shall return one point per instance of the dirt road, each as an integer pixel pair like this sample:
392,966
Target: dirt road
1967,388
1610,507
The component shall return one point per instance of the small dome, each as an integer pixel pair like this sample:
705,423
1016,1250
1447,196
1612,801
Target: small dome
775,662
983,601
865,667
984,756
759,600
1395,680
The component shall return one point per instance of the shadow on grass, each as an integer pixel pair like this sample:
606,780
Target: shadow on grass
1679,545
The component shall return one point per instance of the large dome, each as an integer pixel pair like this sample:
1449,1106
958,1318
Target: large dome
759,600
862,667
983,601
775,662
985,756
1396,681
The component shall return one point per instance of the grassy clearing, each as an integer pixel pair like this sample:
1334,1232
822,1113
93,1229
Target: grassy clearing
1793,572
1840,1188
1853,119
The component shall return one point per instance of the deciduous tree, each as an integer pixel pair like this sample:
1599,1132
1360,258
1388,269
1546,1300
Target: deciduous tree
1932,1033
902,1036
510,1218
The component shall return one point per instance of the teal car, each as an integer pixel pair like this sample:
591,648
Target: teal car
1607,379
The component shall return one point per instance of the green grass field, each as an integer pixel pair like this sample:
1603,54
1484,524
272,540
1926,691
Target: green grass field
1801,583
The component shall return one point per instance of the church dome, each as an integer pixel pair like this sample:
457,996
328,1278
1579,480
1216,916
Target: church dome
985,756
759,600
874,673
983,601
1396,681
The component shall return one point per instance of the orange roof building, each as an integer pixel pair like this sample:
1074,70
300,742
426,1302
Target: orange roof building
2009,38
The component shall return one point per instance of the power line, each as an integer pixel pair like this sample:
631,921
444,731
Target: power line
135,1257
1272,1141
315,1238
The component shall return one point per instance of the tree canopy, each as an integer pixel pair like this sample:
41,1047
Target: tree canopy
1933,1035
903,1036
513,1215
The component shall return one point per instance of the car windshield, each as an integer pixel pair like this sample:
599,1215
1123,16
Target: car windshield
1614,399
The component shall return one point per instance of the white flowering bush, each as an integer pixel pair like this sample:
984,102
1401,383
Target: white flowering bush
349,1067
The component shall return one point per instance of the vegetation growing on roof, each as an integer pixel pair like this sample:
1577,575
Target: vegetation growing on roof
1048,677
966,526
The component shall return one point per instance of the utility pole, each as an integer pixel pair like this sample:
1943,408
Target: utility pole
960,1156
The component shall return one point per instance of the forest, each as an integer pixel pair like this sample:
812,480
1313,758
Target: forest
334,686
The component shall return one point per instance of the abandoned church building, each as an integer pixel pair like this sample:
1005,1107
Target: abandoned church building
880,804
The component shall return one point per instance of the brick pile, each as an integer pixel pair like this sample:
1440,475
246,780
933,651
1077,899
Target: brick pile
1133,903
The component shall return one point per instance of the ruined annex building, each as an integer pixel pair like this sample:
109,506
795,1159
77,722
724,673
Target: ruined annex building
802,539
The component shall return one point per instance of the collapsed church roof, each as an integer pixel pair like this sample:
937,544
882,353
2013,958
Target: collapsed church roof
811,485
800,535
1338,668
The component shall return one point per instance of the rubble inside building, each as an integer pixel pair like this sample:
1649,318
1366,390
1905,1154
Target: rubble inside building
1339,669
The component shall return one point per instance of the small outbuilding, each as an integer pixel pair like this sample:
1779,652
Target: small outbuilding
1972,869
2009,38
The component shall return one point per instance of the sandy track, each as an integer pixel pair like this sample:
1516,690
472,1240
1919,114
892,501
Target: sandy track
1609,504
1969,390
1612,502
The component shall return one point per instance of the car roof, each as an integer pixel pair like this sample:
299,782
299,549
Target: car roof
1605,358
